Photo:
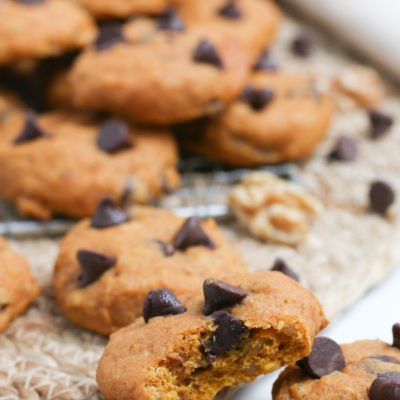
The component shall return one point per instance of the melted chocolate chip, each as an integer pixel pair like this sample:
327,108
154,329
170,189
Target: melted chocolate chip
396,335
303,44
345,150
257,98
206,53
380,123
264,63
108,214
386,387
218,295
192,234
326,356
230,10
382,357
114,136
110,34
170,21
381,197
228,334
161,302
167,248
93,265
281,266
31,131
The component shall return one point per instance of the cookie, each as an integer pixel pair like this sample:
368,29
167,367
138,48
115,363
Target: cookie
279,117
18,287
158,74
145,250
64,163
37,29
365,363
251,23
258,323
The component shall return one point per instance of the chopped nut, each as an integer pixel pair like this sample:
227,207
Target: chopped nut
272,208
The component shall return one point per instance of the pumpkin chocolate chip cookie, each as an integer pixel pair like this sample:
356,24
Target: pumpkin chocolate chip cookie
108,264
364,370
66,162
37,29
279,117
18,288
195,346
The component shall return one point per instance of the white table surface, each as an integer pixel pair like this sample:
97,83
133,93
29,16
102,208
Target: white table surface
370,318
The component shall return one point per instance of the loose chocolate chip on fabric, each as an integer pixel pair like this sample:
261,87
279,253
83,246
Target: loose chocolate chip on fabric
396,335
218,295
161,302
303,44
386,387
326,356
264,63
228,334
93,265
192,234
281,266
110,34
31,131
382,357
167,248
345,150
170,21
380,123
108,214
114,136
257,98
206,53
230,10
381,197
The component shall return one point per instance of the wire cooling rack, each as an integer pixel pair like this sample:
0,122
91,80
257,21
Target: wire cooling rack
203,193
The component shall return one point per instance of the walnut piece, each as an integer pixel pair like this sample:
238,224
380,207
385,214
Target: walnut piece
273,209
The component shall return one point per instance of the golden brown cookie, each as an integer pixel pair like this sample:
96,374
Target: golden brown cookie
257,323
38,29
18,288
279,117
364,362
65,163
158,76
251,23
152,249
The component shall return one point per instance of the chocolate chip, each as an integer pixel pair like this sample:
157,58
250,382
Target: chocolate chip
380,123
218,295
396,335
108,214
110,34
170,21
230,10
93,265
114,136
228,334
264,63
326,356
386,387
303,44
381,197
345,150
382,357
161,302
257,98
206,53
192,234
3,307
167,248
281,266
31,131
